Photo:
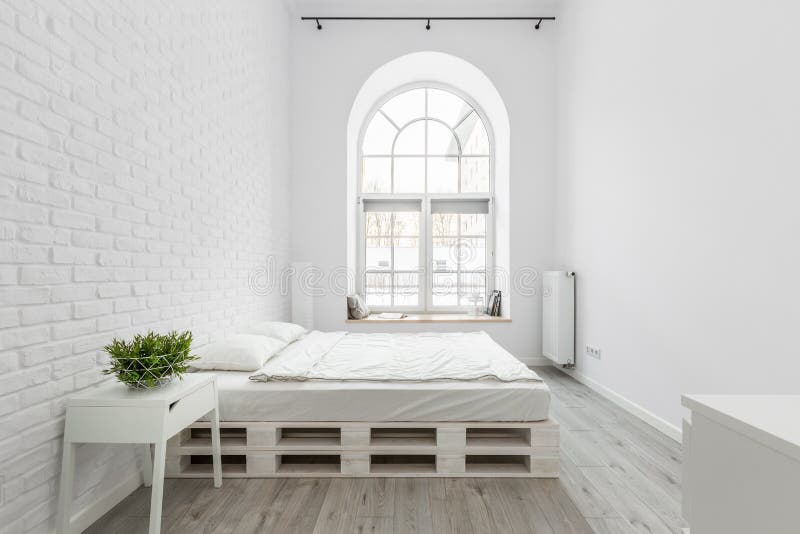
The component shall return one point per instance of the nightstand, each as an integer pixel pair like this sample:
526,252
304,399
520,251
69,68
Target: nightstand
114,413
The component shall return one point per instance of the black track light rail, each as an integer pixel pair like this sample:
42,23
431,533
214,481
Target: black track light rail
428,20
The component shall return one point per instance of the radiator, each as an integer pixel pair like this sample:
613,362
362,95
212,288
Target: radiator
558,316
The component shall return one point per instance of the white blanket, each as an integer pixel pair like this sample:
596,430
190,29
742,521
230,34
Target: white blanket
395,357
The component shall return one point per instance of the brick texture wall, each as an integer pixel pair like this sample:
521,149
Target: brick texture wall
143,178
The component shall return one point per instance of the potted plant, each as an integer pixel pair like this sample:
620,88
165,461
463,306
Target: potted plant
149,360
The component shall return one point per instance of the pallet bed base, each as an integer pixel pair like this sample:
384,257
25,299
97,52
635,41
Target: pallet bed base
325,449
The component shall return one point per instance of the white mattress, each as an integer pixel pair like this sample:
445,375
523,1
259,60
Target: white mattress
241,399
403,357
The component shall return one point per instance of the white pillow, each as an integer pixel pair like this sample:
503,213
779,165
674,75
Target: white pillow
287,332
238,353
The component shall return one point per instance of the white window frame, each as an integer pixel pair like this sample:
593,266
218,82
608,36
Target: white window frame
426,241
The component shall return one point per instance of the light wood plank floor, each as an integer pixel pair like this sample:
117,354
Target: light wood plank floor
618,475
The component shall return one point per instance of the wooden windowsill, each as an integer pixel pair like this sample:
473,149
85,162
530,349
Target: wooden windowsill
434,318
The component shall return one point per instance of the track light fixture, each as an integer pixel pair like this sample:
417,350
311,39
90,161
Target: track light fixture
428,20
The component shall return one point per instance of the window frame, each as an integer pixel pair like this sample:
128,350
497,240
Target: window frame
425,304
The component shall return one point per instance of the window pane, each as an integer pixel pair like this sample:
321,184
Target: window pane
446,106
378,224
473,224
406,254
406,223
376,175
444,224
409,175
441,141
472,253
406,289
411,141
473,136
442,175
378,289
379,254
473,287
406,106
445,254
444,291
379,136
475,175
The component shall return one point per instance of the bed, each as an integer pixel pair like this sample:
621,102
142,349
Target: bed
338,404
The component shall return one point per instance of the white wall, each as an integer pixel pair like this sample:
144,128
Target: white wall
329,67
143,177
677,196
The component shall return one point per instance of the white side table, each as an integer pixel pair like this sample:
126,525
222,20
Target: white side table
114,413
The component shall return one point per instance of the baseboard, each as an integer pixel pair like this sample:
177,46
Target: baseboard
534,361
86,517
628,405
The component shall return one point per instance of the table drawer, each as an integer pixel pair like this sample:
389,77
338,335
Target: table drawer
189,409
103,424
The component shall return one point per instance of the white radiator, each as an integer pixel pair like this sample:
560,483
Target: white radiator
558,316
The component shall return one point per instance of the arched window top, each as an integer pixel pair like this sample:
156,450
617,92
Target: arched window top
425,140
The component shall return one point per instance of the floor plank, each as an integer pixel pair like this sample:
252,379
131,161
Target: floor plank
587,498
266,507
239,507
619,476
465,506
337,513
207,512
640,516
559,508
300,509
576,445
412,507
610,525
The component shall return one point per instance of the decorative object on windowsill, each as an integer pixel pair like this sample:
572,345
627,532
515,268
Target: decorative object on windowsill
357,307
495,302
477,306
392,315
150,360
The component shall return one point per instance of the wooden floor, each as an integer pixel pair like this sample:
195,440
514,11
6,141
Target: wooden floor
618,475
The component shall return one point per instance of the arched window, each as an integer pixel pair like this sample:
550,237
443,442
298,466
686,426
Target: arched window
425,203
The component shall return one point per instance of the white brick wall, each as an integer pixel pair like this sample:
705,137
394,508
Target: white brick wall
143,176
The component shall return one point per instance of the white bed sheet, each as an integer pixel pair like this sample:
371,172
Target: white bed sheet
398,357
241,399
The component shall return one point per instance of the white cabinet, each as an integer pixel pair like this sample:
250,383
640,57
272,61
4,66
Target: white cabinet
742,464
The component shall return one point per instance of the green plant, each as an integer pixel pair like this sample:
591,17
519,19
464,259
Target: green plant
149,360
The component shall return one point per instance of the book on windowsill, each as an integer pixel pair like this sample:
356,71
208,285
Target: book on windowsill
495,304
388,315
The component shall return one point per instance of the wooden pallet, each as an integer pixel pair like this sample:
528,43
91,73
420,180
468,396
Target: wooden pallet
264,450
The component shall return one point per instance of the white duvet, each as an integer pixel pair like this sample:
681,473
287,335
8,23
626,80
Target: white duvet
424,357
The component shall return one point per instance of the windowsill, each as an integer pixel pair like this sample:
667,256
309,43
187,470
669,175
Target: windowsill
434,318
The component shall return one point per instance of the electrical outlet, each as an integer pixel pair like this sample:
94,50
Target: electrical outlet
592,351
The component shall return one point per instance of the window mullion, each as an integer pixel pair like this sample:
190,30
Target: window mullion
425,257
391,252
458,259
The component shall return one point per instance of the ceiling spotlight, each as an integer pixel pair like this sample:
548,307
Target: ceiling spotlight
428,25
319,26
538,25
